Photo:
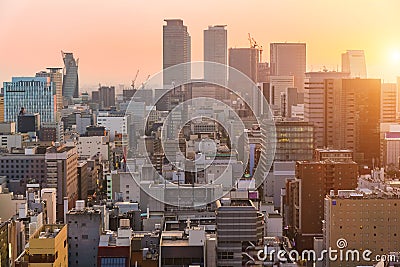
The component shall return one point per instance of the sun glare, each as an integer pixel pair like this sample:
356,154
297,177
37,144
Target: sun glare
395,57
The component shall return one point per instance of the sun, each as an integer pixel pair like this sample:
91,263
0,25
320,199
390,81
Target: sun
395,57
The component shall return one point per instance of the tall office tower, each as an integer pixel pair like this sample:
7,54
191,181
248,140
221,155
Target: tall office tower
1,108
245,60
263,72
289,59
176,50
295,140
352,117
353,62
238,224
304,202
84,230
34,94
62,166
388,105
70,87
278,85
398,98
107,96
56,77
215,50
315,102
365,221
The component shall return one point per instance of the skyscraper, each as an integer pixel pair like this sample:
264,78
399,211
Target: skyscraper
388,105
70,87
215,50
289,59
315,102
1,107
176,50
107,96
245,60
34,94
352,117
353,62
56,77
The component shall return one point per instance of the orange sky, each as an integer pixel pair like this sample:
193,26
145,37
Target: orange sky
115,38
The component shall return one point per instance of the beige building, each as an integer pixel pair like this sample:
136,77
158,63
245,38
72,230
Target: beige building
62,173
365,220
1,108
47,248
56,76
388,102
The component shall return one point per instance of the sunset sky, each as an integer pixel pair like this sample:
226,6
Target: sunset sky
115,38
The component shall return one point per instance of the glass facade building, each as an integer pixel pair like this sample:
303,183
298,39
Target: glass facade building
34,94
70,87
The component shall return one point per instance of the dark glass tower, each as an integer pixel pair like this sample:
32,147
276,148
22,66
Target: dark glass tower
71,81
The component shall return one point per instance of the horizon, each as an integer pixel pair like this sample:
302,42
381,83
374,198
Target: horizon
121,45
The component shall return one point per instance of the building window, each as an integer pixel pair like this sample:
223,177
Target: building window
85,237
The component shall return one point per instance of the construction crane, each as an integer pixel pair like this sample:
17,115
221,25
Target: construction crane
134,80
148,76
253,44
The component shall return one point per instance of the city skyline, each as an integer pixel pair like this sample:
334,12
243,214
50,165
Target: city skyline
124,46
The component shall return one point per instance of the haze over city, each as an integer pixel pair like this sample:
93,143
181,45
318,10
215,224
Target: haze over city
126,35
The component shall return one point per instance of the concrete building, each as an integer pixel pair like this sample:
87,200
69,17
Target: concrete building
353,62
106,96
315,101
187,248
114,249
238,222
70,87
352,117
7,127
4,244
274,224
47,247
388,102
304,210
114,123
52,131
365,219
23,166
1,108
61,169
279,85
295,140
49,196
244,60
337,155
391,149
89,146
215,50
84,230
176,50
289,59
10,141
56,77
34,94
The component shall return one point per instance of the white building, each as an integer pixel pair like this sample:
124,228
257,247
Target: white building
289,59
353,62
278,85
89,146
12,140
113,123
215,50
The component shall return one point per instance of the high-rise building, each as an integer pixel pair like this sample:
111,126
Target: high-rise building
305,196
34,94
62,167
365,221
238,223
84,230
246,61
107,96
315,102
352,117
56,77
1,108
289,59
176,50
215,50
28,123
388,105
295,140
70,87
353,62
278,85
